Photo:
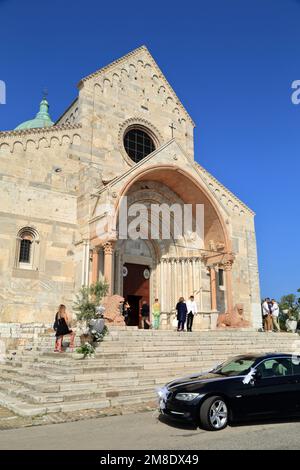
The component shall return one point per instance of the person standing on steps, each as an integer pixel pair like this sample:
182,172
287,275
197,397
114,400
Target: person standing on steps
192,310
61,328
275,315
145,312
181,313
156,314
126,313
267,316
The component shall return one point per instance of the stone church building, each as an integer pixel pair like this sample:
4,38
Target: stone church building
126,134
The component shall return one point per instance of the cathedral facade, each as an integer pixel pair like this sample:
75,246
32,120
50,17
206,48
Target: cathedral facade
126,137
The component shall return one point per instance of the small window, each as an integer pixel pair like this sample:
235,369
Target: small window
221,277
26,248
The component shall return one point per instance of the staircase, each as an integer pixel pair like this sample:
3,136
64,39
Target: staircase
128,366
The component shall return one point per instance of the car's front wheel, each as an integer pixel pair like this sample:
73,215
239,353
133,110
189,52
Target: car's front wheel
214,414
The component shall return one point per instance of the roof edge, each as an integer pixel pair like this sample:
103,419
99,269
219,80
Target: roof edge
66,110
234,197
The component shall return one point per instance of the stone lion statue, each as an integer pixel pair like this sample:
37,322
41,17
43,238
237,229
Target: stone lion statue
235,319
113,312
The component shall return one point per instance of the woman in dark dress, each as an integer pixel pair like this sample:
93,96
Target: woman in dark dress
126,313
181,313
61,327
145,314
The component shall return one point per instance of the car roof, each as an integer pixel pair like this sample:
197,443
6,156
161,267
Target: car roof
267,355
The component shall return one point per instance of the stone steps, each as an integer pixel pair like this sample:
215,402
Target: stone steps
92,392
54,382
129,364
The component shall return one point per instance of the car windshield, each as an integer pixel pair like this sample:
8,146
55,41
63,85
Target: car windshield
235,366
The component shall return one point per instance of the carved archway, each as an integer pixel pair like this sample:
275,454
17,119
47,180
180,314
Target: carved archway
217,244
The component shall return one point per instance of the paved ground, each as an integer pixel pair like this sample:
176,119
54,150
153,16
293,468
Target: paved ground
9,420
145,431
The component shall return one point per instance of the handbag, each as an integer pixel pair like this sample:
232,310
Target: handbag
55,324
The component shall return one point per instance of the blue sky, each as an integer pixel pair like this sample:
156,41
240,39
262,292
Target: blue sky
231,62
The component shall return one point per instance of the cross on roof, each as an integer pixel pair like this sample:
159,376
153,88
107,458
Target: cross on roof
172,129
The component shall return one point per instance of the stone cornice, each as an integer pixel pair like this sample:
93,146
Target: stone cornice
134,53
44,137
38,131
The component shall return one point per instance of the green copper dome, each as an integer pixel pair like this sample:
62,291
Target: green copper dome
42,119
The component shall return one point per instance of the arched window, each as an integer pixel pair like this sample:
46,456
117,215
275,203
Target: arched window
27,237
25,249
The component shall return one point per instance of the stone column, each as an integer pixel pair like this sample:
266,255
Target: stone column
87,269
108,249
168,285
193,276
85,278
172,281
199,260
182,277
162,276
95,266
213,288
229,297
190,276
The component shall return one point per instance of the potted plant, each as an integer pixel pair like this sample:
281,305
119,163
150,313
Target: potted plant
292,320
89,313
290,310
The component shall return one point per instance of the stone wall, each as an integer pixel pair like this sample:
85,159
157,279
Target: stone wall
38,185
26,335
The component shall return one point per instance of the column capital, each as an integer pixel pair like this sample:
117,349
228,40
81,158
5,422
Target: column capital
228,261
227,266
108,247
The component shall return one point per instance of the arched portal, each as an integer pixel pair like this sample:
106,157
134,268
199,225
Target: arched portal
195,263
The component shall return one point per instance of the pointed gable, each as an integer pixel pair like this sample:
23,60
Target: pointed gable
133,64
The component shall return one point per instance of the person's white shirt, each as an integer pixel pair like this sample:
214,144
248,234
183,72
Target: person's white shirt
265,308
275,309
191,306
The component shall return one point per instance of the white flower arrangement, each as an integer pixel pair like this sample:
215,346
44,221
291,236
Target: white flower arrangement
87,350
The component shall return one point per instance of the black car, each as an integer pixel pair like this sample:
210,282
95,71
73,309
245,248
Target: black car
244,388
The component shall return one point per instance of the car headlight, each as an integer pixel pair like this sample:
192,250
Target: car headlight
187,396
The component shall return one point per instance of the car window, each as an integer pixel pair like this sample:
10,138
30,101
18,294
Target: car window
237,366
296,365
279,367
